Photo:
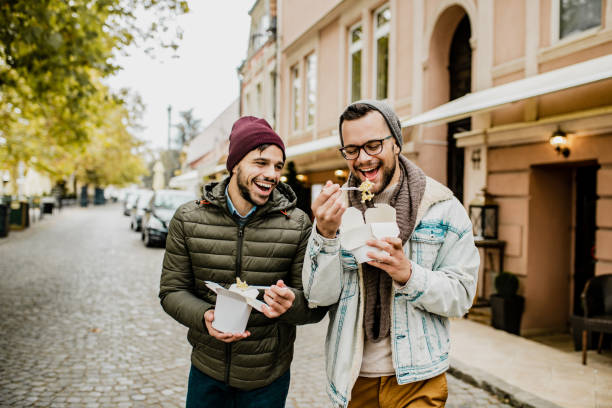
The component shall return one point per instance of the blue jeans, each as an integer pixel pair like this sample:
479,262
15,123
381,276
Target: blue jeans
204,391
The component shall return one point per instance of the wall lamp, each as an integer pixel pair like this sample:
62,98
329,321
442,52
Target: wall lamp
341,175
559,141
475,159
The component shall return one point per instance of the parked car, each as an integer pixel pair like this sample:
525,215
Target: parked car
128,202
139,209
159,212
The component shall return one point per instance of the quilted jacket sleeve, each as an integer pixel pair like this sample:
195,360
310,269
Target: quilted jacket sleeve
300,313
177,280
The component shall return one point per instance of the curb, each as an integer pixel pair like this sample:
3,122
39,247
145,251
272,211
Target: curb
509,393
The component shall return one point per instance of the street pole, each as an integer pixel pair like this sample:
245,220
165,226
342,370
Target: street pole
169,124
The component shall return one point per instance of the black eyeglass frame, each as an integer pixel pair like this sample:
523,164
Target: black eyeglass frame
363,147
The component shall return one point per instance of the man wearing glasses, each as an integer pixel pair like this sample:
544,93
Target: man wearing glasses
388,340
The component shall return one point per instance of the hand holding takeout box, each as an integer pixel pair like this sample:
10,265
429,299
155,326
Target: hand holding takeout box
233,306
380,222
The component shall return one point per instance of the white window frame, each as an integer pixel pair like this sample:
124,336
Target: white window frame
378,33
310,89
296,95
272,98
353,48
555,25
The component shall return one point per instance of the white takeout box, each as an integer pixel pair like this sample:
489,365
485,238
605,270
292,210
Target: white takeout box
379,223
233,307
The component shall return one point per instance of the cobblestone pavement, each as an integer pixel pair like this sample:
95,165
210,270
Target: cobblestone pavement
82,326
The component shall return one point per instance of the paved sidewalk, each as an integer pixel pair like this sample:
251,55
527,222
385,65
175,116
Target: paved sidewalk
530,373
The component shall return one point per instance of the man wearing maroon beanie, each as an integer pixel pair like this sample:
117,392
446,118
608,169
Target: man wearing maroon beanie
246,226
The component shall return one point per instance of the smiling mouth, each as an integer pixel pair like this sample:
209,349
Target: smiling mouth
263,186
370,172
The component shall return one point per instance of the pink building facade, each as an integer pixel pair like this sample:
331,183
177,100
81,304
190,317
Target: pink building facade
480,87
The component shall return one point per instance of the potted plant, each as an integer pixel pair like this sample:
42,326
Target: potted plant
506,306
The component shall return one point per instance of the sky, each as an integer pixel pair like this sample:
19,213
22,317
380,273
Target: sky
203,77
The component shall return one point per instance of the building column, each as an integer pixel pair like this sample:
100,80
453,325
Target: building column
532,42
418,38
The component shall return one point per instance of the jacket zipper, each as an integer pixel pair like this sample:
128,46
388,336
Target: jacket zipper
228,347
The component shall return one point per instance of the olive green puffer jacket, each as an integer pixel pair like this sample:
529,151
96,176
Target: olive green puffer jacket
206,243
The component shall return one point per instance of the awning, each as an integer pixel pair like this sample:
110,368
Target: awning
184,181
312,147
488,99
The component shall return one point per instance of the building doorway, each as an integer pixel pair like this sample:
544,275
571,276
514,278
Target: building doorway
561,249
584,248
460,75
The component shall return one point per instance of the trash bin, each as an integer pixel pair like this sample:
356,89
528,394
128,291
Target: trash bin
99,196
84,200
19,215
48,204
5,211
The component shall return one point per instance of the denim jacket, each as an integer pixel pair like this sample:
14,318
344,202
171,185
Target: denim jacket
445,265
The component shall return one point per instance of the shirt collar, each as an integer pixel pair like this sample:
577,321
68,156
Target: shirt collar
233,210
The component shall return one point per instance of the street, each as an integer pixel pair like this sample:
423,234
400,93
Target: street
82,325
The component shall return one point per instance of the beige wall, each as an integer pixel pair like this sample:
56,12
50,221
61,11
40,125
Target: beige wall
509,38
533,186
297,16
328,105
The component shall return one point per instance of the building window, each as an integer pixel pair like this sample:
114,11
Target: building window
355,47
272,104
259,107
382,21
295,97
247,104
576,16
311,88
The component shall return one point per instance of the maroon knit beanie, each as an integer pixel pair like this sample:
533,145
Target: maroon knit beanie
247,133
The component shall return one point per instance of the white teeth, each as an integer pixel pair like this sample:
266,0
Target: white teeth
263,185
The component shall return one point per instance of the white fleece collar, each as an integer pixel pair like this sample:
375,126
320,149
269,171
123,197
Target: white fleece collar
435,192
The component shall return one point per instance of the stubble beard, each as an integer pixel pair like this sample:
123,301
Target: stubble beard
242,183
387,175
244,190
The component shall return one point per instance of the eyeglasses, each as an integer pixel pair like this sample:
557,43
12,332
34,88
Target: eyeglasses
371,147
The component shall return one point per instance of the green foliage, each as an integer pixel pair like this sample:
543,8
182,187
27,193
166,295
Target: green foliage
53,56
506,284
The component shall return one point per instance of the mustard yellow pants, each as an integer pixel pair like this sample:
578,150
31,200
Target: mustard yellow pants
385,392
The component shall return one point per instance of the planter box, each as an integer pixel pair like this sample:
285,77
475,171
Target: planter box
506,313
19,215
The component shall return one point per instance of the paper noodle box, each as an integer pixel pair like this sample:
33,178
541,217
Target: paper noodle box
379,223
233,307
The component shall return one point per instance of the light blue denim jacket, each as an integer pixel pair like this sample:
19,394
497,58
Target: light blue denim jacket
445,265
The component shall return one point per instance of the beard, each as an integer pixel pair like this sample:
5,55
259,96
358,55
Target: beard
243,187
387,175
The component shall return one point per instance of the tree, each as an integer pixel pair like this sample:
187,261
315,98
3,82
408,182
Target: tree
53,56
188,128
111,155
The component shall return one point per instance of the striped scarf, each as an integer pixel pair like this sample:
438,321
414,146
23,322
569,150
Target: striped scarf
405,198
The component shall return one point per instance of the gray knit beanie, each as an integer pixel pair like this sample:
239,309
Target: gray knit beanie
385,110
